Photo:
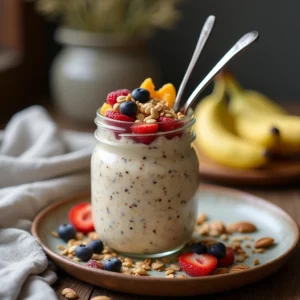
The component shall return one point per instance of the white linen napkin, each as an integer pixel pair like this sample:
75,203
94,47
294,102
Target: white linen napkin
39,164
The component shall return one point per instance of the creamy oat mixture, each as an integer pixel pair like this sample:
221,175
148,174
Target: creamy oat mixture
142,195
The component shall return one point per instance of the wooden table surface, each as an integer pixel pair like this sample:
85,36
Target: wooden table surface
284,284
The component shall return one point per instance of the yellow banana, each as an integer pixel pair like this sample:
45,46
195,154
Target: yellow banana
255,115
248,101
261,133
218,142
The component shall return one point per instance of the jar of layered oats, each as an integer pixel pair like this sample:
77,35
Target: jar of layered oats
143,187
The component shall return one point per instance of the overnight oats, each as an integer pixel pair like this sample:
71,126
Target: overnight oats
144,172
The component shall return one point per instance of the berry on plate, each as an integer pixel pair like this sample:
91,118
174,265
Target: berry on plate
112,264
94,264
141,95
198,248
66,232
144,128
197,264
128,108
112,96
218,250
96,245
228,259
80,216
84,252
118,116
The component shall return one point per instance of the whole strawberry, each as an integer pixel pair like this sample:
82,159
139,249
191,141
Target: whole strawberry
112,96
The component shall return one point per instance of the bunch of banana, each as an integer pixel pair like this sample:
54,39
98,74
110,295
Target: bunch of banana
216,137
241,132
255,114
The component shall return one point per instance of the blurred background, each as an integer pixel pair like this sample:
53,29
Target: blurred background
70,60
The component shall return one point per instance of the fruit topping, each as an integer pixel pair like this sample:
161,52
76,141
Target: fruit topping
149,85
168,93
128,108
198,264
112,264
167,124
218,250
94,264
112,96
228,259
144,128
96,245
66,232
80,216
84,252
104,108
141,95
118,116
198,248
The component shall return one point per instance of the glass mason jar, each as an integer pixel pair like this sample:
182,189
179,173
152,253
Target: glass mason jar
143,187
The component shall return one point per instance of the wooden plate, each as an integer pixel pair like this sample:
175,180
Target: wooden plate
219,203
277,172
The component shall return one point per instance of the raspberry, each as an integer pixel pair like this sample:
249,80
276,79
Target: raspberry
94,264
118,116
112,96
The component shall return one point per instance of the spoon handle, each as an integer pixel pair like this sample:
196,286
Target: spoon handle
204,35
243,43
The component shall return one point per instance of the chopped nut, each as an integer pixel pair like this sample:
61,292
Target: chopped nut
166,260
64,252
121,99
175,267
239,268
218,226
220,271
61,247
79,236
148,261
139,271
224,237
69,293
202,217
71,242
116,107
259,250
240,258
248,246
255,262
150,121
214,233
208,242
156,266
94,235
70,255
54,234
170,276
107,256
128,97
181,276
71,250
171,271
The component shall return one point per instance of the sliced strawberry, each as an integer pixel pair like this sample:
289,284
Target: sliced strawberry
115,115
80,216
197,264
168,124
144,129
112,96
228,259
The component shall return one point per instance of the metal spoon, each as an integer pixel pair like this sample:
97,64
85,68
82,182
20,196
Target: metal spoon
243,43
204,35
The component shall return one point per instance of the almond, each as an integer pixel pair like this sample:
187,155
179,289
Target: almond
264,242
218,226
101,298
241,227
239,268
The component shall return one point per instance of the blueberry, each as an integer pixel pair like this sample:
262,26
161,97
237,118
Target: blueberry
128,108
84,252
141,95
96,245
66,232
218,250
112,264
198,248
